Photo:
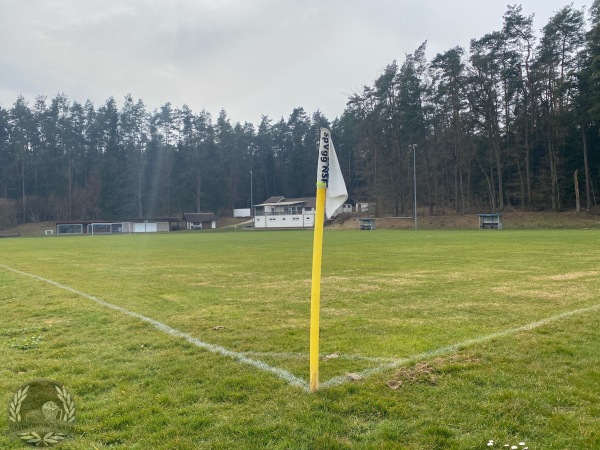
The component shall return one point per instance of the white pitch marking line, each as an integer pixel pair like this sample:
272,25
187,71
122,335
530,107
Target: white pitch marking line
292,379
283,374
306,355
336,381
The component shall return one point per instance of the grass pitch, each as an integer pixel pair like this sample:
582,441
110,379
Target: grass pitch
457,337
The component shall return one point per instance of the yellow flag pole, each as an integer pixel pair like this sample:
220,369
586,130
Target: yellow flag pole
315,298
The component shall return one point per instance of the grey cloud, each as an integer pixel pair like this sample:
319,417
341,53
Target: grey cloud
249,57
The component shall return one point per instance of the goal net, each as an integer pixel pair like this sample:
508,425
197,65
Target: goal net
110,228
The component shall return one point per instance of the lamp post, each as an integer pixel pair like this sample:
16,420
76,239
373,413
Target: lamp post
414,148
251,201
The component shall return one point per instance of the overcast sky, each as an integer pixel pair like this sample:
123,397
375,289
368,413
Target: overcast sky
250,57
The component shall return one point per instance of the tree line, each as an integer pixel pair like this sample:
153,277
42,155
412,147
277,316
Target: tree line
511,123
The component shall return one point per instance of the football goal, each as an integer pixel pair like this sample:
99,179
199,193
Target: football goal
110,228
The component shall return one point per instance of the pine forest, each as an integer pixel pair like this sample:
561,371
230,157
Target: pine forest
511,122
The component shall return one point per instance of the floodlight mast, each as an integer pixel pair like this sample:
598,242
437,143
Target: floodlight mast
251,201
414,149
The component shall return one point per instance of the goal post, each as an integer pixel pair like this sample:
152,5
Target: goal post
99,228
110,228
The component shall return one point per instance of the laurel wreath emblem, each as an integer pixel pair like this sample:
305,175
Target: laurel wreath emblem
48,439
67,402
53,421
14,409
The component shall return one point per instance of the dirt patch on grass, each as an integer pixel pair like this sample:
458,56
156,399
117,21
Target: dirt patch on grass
429,372
568,276
232,222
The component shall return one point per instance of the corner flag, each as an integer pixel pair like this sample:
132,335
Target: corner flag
331,194
329,172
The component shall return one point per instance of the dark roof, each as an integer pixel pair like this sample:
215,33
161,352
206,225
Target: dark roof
151,219
80,222
200,217
274,199
89,222
308,202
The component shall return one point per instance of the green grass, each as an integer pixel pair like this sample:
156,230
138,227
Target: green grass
386,295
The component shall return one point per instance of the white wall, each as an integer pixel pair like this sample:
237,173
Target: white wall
150,227
285,221
242,212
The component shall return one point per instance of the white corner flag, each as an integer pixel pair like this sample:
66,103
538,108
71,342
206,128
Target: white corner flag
330,173
331,194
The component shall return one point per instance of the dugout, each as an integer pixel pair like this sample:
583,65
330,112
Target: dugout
366,223
490,221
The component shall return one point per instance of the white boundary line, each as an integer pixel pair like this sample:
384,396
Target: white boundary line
287,376
324,357
283,374
336,381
